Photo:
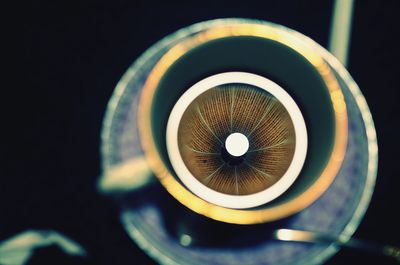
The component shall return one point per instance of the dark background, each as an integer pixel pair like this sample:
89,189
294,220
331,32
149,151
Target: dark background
69,57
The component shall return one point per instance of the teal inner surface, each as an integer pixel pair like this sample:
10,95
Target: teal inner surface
266,58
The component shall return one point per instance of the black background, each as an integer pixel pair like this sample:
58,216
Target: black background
69,57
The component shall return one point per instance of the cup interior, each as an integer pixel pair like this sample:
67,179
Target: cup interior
266,58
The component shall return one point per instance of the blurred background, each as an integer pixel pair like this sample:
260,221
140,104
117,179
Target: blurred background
70,55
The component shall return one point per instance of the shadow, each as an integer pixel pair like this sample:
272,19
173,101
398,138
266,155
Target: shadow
179,221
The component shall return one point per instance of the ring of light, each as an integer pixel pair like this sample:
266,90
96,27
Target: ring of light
227,200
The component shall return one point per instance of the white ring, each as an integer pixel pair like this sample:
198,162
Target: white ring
227,200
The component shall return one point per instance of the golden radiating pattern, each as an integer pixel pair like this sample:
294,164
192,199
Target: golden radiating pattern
223,110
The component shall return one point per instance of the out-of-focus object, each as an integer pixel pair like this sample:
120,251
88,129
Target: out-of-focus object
339,41
130,175
18,249
320,238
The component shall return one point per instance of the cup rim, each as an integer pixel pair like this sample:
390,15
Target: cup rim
256,215
229,200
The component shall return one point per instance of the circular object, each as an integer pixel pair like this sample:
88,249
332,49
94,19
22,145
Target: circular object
267,51
237,144
337,212
209,112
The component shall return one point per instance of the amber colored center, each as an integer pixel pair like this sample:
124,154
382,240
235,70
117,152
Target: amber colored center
236,139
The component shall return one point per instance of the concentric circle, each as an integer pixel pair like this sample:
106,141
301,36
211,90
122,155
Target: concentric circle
245,105
278,53
145,224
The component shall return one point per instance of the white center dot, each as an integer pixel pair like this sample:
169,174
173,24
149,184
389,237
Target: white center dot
237,144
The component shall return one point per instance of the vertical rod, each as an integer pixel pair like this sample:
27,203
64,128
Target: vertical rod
341,29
